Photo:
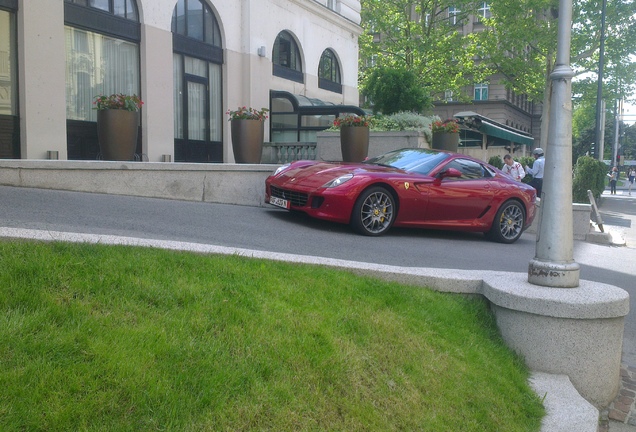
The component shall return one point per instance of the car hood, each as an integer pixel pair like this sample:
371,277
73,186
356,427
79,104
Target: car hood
316,174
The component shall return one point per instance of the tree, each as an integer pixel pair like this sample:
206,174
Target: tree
521,42
393,90
629,142
422,37
518,41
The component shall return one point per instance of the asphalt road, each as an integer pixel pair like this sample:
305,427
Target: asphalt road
270,229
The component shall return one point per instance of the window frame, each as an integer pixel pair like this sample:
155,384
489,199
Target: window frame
98,21
453,14
334,81
480,89
484,10
294,73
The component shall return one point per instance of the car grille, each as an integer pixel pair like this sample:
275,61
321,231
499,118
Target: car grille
297,199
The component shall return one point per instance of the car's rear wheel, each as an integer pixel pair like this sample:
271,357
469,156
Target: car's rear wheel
508,224
374,212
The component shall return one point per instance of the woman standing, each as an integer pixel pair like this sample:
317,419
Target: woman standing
613,176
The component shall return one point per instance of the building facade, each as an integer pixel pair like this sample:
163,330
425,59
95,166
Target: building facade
189,60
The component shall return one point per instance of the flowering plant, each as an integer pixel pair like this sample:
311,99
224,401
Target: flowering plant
448,126
247,113
118,101
352,120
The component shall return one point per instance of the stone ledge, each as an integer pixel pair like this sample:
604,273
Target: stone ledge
566,410
591,300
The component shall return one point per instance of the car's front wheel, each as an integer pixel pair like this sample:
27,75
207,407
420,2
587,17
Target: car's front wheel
508,224
374,212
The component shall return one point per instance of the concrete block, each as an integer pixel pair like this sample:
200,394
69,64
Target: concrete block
581,224
571,331
566,410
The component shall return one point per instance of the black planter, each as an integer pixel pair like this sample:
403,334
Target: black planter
247,140
354,143
446,141
117,134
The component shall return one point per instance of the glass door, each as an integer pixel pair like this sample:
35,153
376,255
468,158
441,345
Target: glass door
195,112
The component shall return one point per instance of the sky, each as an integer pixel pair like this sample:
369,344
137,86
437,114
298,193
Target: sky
629,113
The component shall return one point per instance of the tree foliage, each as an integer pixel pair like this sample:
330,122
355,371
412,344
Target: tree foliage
629,142
518,43
393,90
419,36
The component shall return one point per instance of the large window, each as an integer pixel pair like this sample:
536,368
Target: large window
97,64
286,58
481,92
198,95
9,120
102,57
329,72
484,10
453,15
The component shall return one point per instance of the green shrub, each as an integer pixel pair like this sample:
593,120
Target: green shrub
403,121
589,174
496,161
526,161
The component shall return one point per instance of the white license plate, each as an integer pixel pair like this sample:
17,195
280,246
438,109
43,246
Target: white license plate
279,202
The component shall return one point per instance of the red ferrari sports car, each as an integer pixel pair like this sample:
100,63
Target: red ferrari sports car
419,188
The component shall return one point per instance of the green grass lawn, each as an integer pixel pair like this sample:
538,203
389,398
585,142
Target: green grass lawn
107,338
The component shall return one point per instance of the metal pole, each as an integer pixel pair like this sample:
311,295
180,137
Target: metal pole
617,105
553,264
599,90
601,144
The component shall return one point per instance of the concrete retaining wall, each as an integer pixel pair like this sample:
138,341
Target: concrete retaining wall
241,184
328,146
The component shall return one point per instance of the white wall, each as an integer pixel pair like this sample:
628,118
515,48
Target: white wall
41,79
247,78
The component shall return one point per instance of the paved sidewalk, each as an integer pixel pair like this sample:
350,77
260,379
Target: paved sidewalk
619,214
619,217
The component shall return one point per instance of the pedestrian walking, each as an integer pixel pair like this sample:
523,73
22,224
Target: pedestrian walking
513,169
631,176
613,178
537,170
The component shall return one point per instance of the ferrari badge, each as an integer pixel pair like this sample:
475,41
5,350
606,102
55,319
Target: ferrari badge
406,185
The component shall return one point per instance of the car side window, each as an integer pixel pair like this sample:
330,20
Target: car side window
470,170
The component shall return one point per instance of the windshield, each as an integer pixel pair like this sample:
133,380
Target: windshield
420,161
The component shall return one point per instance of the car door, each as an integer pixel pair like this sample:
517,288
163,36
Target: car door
459,201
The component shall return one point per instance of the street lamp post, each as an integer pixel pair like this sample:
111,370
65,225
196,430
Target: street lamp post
553,264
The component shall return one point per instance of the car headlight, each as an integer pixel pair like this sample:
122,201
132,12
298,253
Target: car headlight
280,169
338,181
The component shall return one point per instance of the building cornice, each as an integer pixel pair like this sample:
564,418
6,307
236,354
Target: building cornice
329,15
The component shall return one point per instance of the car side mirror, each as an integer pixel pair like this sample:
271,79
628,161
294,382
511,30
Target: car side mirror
449,172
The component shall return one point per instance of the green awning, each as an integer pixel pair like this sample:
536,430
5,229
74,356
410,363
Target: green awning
494,129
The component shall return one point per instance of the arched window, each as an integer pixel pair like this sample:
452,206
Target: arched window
198,90
102,57
329,72
9,117
286,58
194,19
